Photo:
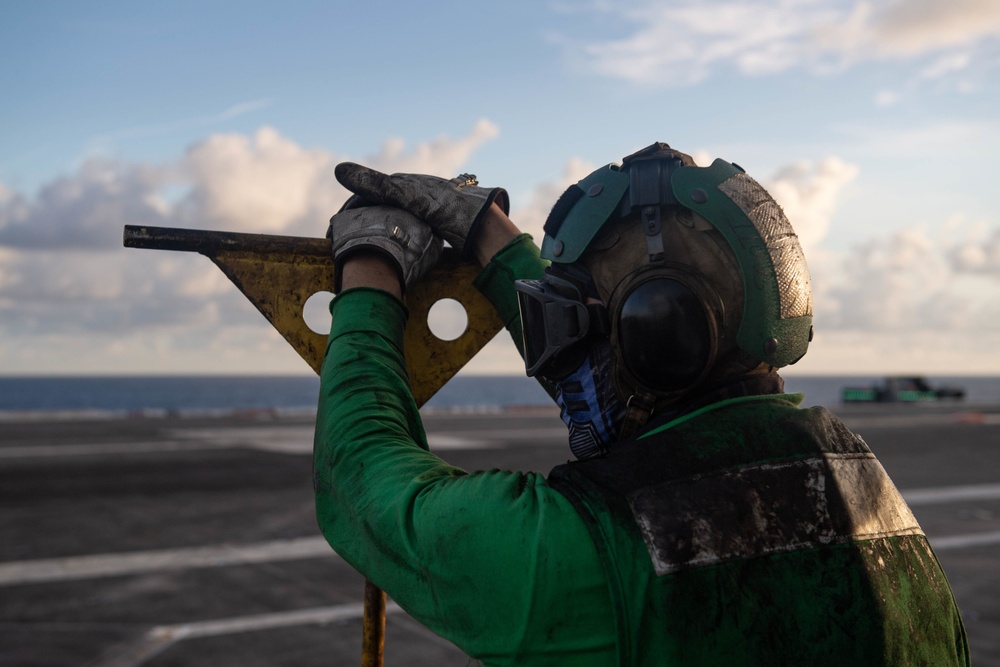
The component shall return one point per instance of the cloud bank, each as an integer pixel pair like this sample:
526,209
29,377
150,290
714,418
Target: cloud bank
808,194
73,300
68,285
682,42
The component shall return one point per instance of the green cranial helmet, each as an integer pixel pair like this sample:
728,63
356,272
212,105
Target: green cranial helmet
674,207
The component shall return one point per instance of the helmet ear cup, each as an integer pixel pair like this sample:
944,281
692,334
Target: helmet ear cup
665,333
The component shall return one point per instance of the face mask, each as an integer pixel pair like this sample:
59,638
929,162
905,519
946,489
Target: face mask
589,406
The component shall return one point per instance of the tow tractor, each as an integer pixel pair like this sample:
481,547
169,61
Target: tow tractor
901,389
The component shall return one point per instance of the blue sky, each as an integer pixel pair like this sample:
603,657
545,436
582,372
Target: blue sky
873,123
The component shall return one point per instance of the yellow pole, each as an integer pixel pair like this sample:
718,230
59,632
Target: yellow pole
373,627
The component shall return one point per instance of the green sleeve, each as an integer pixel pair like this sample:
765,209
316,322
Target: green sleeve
518,260
497,562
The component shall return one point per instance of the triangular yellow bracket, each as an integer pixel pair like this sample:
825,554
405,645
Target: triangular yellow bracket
280,273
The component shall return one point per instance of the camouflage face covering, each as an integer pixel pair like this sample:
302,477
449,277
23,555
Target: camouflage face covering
589,405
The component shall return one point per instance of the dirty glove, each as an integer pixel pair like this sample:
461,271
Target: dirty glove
454,209
393,232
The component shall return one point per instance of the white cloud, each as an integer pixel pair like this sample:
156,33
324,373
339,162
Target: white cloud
260,183
269,183
835,352
887,98
912,27
72,299
922,297
942,71
978,256
680,42
912,301
964,140
443,156
891,283
532,216
913,281
64,272
702,158
85,210
952,62
808,194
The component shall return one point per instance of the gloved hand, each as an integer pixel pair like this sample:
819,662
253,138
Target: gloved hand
393,232
453,208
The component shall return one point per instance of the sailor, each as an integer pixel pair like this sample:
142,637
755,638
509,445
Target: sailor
706,519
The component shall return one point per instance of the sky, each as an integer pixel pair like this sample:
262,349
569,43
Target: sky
873,123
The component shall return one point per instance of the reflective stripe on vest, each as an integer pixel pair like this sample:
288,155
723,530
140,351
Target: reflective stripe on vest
769,508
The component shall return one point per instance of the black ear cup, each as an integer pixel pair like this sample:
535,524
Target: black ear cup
665,336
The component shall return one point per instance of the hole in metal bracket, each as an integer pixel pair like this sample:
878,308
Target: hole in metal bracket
447,319
316,312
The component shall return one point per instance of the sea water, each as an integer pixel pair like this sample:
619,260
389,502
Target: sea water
183,395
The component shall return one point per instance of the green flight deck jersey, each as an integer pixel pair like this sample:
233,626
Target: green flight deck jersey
730,536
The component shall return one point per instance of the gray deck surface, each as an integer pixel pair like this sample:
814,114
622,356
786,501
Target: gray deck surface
193,541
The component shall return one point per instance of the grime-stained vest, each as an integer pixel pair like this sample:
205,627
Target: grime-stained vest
757,533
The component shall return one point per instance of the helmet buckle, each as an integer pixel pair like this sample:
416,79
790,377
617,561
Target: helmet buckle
653,227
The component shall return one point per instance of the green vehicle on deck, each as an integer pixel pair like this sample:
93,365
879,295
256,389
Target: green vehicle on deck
901,389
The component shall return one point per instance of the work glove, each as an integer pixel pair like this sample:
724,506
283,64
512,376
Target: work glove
393,232
453,208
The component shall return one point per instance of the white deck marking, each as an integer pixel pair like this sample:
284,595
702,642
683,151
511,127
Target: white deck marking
99,448
140,562
281,440
119,564
952,494
539,433
916,420
160,638
445,442
962,541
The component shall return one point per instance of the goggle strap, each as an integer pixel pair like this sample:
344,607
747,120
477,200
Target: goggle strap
600,323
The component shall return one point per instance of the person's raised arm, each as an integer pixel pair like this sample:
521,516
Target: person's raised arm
497,231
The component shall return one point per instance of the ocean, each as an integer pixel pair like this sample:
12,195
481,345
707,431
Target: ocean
132,396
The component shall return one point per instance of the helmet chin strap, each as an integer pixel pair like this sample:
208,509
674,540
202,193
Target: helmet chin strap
641,404
638,411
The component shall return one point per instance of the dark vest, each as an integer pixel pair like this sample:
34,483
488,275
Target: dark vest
756,533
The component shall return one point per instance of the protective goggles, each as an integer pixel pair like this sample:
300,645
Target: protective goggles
555,320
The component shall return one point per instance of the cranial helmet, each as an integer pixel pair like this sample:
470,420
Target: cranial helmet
694,273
